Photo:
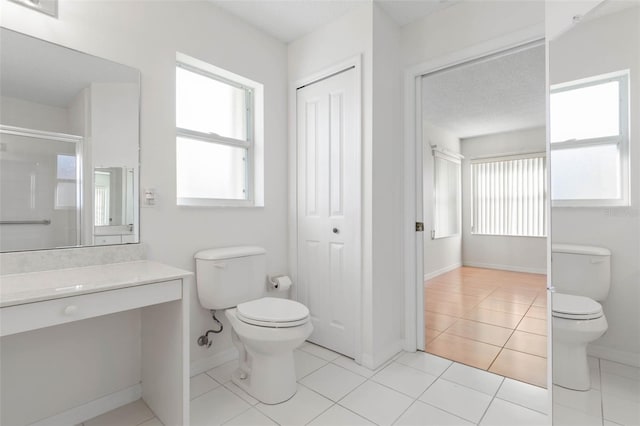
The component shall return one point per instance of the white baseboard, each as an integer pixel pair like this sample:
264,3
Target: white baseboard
373,362
442,271
622,357
506,267
205,364
94,408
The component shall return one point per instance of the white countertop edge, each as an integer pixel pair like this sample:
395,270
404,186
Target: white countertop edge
30,287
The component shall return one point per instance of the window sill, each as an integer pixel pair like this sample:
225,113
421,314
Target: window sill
208,202
595,204
507,235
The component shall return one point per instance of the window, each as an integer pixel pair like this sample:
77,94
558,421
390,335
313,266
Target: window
218,136
102,198
67,183
446,195
589,142
509,196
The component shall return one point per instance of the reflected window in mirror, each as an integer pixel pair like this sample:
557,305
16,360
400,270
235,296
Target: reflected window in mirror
216,136
590,141
67,187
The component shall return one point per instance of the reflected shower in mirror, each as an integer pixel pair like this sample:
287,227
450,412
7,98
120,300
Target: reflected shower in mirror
595,188
68,147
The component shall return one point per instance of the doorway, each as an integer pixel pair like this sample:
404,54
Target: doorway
485,209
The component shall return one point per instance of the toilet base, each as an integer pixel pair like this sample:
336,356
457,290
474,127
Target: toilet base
570,340
266,367
570,366
270,379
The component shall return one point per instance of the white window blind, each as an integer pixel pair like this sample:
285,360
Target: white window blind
509,196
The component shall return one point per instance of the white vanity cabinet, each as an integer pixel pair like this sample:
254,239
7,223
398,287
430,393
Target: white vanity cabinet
33,301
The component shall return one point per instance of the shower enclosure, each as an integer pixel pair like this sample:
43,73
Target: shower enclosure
40,189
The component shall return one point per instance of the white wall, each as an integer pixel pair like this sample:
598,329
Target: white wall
21,113
443,254
388,295
603,45
146,36
525,254
114,124
466,24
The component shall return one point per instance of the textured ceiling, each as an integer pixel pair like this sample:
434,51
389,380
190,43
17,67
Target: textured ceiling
404,12
288,20
498,95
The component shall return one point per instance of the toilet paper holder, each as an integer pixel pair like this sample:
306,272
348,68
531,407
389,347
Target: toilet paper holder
280,282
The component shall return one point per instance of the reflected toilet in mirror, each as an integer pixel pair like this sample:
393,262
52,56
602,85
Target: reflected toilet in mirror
594,76
581,277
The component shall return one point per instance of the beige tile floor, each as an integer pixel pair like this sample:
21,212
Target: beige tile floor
489,319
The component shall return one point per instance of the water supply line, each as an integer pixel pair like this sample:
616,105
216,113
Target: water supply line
204,339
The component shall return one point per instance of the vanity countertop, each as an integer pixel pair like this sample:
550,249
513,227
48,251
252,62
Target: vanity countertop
17,289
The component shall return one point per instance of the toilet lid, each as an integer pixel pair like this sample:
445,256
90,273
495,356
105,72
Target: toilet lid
273,312
575,307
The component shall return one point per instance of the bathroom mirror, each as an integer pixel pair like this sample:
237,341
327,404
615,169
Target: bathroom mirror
595,191
69,147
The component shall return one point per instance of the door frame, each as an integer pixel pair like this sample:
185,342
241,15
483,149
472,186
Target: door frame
413,242
356,63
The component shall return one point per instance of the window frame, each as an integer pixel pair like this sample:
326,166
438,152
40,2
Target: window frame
621,140
76,182
509,157
249,144
454,158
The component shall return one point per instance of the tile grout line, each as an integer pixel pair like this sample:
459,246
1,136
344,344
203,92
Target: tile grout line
497,286
241,413
333,403
423,392
493,398
510,336
601,391
440,376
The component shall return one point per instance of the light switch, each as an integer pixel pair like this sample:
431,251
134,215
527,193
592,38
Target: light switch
149,197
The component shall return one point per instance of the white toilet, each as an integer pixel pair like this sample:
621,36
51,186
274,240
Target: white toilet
266,330
581,276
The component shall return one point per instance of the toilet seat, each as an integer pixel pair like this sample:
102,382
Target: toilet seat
575,307
273,312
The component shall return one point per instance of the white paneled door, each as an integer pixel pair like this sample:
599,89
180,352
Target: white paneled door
328,194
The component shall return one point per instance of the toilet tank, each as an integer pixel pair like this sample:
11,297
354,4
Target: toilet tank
228,276
581,270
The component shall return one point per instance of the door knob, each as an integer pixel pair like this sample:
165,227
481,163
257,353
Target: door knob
336,231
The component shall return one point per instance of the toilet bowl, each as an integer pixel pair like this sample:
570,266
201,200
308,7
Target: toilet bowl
577,321
265,332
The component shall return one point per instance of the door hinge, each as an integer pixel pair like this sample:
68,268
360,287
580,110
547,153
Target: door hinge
419,227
